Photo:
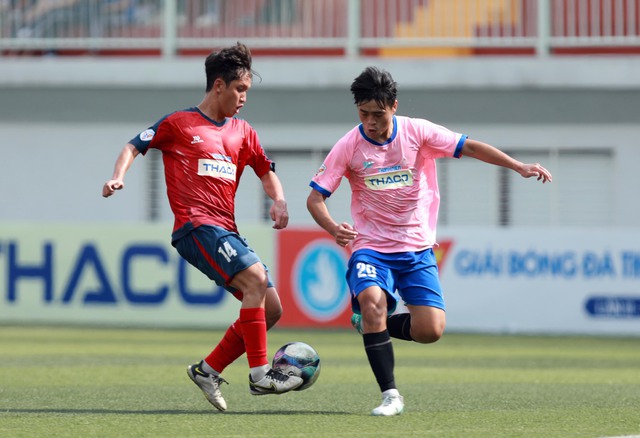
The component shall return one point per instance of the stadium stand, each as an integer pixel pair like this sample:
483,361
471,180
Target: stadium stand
388,28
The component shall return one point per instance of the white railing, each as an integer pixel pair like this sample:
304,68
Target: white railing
341,27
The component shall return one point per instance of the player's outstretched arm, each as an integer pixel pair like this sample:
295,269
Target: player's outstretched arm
273,188
123,162
489,154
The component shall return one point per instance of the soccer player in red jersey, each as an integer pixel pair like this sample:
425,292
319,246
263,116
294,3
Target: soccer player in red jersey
205,150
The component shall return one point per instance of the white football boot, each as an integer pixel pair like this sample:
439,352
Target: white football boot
274,382
391,405
209,384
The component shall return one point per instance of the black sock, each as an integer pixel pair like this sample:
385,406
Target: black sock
399,326
380,354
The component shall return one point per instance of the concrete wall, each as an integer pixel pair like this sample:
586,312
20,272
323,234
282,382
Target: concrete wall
63,121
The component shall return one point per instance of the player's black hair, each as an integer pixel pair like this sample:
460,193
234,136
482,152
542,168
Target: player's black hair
230,63
374,84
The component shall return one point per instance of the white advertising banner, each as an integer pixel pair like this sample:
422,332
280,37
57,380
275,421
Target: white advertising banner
109,274
580,281
583,281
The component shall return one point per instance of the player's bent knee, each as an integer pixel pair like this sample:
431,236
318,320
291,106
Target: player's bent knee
254,278
426,338
272,316
258,278
373,313
426,335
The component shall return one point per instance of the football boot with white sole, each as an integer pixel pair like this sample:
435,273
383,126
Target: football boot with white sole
209,384
391,405
274,382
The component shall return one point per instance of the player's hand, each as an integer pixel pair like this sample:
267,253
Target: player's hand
111,186
345,234
537,171
279,215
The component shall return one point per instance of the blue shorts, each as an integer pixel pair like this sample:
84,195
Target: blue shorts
218,253
410,276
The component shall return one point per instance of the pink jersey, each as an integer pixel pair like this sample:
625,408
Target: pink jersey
395,197
203,161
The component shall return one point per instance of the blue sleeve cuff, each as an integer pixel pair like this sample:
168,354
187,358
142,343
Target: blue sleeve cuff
315,186
458,151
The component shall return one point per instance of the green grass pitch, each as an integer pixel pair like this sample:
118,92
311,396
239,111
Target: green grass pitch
99,382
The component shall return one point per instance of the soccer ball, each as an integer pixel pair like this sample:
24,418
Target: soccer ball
298,359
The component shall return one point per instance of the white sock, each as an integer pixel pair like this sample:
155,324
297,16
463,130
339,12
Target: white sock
257,373
207,369
391,392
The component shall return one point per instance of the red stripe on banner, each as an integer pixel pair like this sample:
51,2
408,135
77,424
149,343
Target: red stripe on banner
291,244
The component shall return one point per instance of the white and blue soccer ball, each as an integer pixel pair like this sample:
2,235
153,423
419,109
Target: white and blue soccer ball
298,359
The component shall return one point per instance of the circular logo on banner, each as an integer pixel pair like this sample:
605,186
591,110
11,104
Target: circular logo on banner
319,278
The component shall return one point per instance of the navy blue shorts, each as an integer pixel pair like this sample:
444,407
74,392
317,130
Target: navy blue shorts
218,253
410,276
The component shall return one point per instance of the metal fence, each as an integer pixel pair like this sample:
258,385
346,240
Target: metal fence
339,27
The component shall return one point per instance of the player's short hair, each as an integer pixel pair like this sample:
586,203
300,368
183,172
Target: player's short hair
229,64
374,84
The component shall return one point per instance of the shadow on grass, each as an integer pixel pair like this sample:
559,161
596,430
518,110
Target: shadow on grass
165,412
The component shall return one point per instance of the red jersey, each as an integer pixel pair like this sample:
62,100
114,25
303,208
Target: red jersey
203,162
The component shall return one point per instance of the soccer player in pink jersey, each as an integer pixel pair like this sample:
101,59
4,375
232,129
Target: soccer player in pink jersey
389,161
205,150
